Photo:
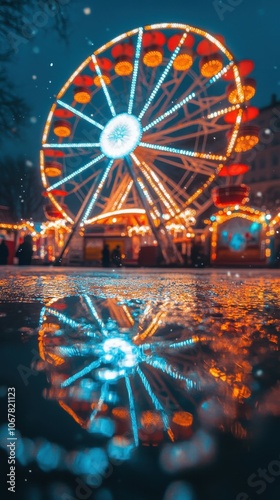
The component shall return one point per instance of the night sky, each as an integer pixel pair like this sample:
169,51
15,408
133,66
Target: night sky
41,66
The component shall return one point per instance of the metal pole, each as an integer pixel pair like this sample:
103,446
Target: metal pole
159,231
76,223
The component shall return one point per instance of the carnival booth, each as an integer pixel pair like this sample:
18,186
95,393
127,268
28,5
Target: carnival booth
239,236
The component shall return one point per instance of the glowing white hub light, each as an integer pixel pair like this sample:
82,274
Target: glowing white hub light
120,136
121,352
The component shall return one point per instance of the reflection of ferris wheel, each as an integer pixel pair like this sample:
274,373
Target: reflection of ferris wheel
136,130
107,359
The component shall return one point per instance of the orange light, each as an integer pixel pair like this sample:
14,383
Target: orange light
182,418
120,412
211,65
53,168
123,67
82,95
249,90
105,77
62,128
183,62
153,57
101,409
247,139
48,328
151,419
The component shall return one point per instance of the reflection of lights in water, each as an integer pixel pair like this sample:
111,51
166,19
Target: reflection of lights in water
132,372
118,348
179,490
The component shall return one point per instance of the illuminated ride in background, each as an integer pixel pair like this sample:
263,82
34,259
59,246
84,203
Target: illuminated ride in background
131,371
144,126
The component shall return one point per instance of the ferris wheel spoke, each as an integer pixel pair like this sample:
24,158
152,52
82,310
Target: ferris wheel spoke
182,152
169,90
95,315
73,145
167,181
163,76
81,169
81,115
132,411
135,71
81,373
186,99
191,119
222,112
124,196
153,209
197,166
104,87
64,319
98,191
158,406
157,186
161,364
120,194
164,138
78,186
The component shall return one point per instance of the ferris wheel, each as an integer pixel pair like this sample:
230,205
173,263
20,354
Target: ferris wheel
138,129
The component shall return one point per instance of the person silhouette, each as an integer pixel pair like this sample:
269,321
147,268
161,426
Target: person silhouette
116,256
24,252
106,256
4,253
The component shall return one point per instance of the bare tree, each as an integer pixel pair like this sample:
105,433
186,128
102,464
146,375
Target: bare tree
21,189
20,20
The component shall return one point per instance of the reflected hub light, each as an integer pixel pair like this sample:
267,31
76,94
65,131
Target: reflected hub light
120,136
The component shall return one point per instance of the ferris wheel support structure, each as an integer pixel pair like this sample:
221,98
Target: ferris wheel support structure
89,200
166,245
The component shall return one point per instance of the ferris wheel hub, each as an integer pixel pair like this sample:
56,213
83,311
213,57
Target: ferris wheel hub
120,136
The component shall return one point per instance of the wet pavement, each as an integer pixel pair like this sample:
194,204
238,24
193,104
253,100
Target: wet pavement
140,384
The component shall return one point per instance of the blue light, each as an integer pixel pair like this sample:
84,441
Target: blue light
255,227
132,411
48,456
73,145
81,115
97,69
237,242
120,136
103,426
170,111
98,190
120,448
163,76
135,71
81,373
213,218
90,461
70,176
